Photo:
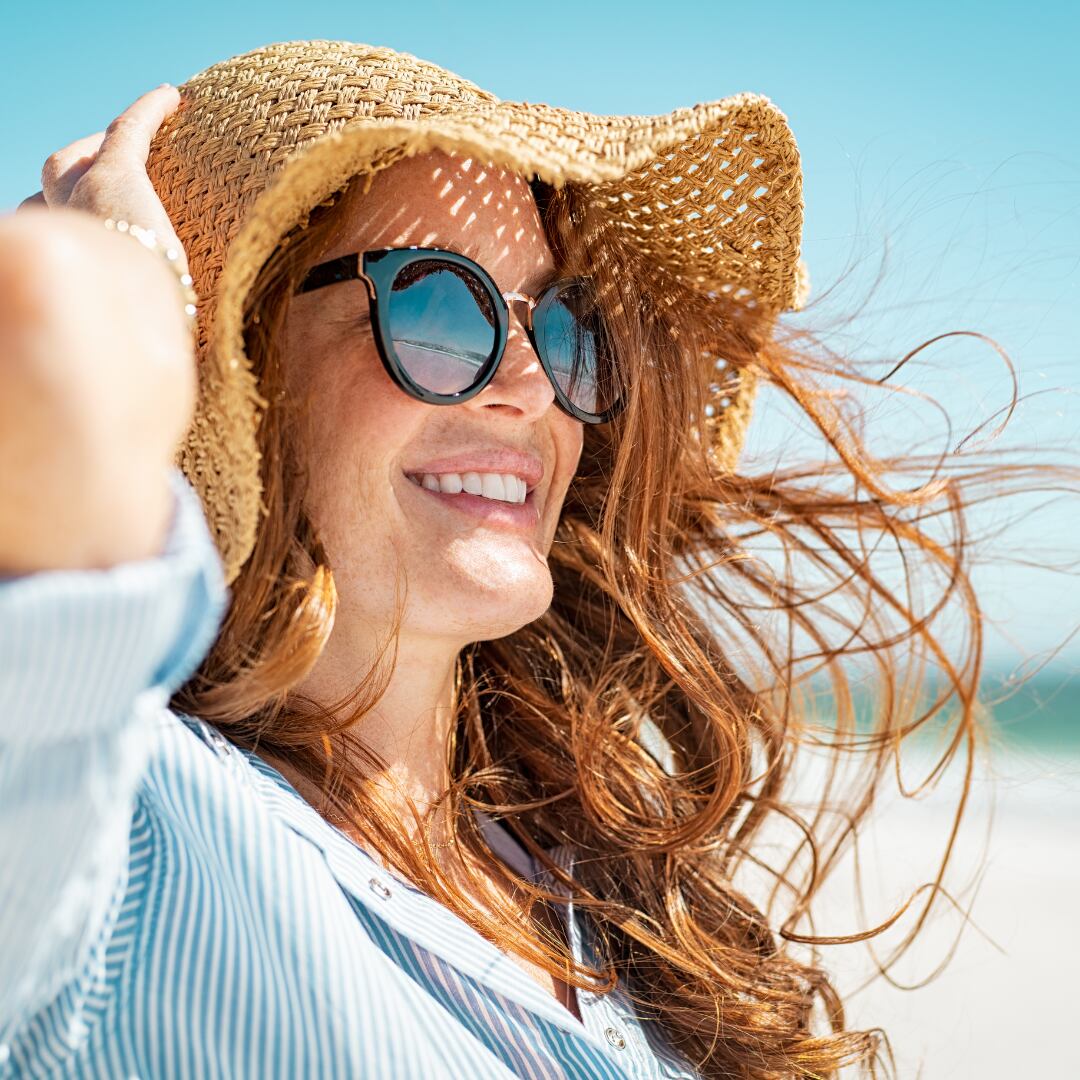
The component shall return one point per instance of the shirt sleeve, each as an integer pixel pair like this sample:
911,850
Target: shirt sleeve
88,659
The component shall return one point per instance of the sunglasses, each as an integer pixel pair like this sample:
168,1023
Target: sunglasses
441,326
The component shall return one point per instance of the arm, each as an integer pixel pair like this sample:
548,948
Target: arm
87,660
111,590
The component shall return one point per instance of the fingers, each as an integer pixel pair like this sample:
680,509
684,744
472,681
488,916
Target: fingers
63,169
105,173
129,135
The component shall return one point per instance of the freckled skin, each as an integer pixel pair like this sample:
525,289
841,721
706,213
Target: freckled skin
466,581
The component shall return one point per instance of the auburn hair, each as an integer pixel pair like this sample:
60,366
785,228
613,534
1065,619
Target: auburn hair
652,717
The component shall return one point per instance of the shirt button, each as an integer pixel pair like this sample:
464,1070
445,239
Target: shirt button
379,888
615,1037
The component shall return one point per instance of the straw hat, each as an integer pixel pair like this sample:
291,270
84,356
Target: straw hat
713,192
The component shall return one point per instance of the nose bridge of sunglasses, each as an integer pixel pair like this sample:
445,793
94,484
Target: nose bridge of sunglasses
520,356
528,301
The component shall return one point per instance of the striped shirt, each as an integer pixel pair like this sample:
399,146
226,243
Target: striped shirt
171,907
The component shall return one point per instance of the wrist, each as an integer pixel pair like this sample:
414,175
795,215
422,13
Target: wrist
173,256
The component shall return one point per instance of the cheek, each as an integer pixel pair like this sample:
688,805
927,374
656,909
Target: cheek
354,428
372,418
354,410
351,496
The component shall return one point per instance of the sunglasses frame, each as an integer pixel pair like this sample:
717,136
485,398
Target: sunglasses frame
378,268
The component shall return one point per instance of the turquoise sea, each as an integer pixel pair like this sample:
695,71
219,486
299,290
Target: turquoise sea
1043,714
1040,715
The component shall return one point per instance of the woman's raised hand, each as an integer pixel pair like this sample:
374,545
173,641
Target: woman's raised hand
97,371
105,173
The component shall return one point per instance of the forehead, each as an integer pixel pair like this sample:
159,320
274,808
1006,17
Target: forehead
454,201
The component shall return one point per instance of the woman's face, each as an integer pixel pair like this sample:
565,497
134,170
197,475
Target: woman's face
475,568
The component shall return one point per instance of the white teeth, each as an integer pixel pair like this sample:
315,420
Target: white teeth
492,487
502,487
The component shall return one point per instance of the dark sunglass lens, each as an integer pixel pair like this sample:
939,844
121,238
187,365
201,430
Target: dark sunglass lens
442,323
570,334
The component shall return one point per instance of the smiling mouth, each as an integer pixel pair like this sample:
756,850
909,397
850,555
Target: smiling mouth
509,502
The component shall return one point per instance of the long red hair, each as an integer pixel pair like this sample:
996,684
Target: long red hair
651,718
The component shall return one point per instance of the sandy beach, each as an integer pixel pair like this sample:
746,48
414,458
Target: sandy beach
1006,1005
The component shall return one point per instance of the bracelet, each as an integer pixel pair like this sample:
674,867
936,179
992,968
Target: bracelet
149,240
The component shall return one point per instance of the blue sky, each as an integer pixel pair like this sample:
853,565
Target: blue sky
940,137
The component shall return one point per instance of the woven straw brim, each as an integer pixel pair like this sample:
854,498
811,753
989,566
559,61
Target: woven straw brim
713,193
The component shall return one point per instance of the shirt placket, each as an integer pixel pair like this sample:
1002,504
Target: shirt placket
610,1017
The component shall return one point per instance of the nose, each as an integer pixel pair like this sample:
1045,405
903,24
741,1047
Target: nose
520,383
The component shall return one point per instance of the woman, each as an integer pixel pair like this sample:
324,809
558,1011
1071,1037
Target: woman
466,772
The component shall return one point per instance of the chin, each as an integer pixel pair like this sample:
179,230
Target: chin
495,609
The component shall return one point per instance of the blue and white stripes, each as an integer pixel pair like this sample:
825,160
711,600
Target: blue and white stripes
171,907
